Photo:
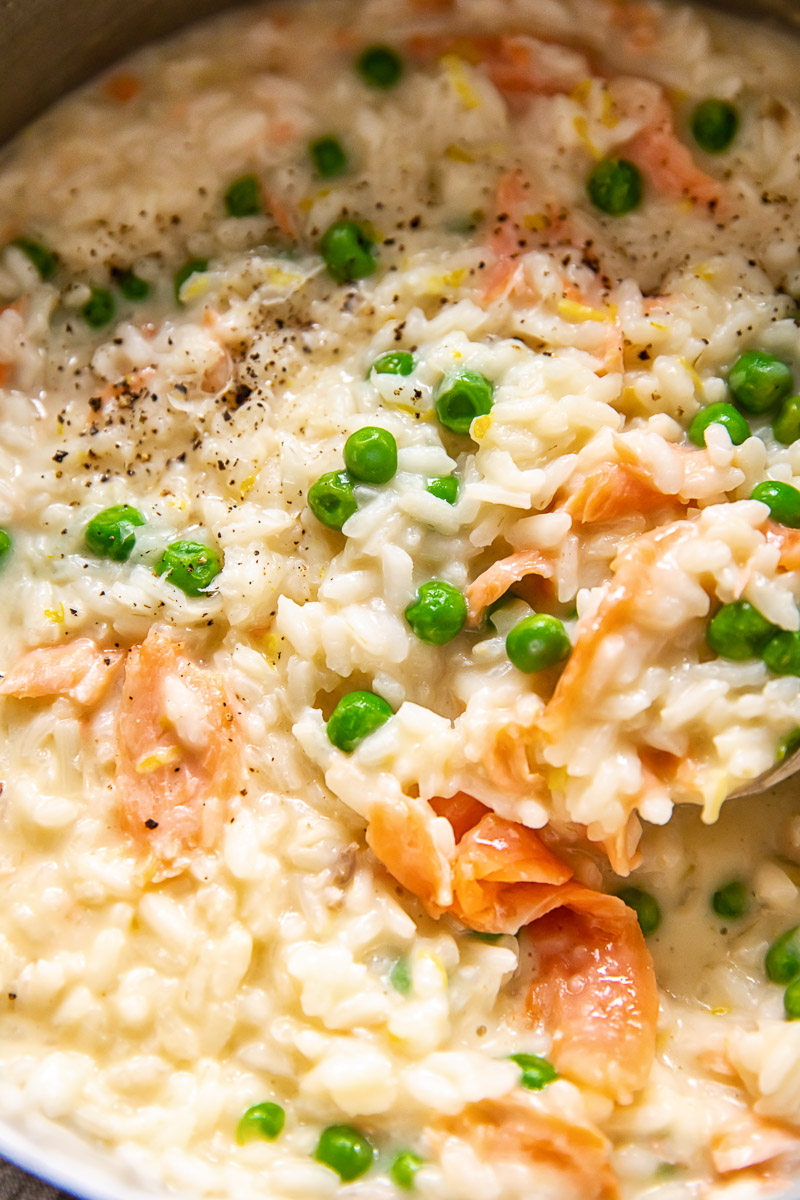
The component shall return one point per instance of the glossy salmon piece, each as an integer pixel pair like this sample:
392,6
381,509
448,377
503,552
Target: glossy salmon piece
180,755
613,491
79,669
515,1129
461,810
416,848
593,984
593,988
494,582
498,874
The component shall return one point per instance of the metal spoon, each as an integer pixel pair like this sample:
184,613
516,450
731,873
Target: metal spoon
769,779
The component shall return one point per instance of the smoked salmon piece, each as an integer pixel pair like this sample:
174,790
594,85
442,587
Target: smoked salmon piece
461,810
515,1129
657,150
613,491
594,990
494,582
593,985
180,753
634,578
496,864
79,669
406,842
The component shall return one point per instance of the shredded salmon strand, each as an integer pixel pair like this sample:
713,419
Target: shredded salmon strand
638,22
518,65
122,87
594,989
180,751
788,542
496,580
122,389
657,150
507,765
79,669
282,215
516,1129
749,1143
613,491
626,592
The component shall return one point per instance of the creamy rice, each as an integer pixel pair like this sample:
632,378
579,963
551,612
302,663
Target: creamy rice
207,904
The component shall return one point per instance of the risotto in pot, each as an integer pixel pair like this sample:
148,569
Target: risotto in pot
400,563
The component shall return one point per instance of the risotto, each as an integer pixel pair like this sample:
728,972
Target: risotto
400,506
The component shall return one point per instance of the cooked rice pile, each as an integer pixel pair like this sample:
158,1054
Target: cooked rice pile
208,900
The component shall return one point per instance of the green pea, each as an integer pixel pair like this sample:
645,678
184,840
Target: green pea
738,631
404,1169
345,1151
438,614
537,642
786,425
44,260
331,499
370,454
99,309
243,197
462,396
445,487
791,1001
5,544
356,716
380,66
759,381
537,1072
394,362
132,286
782,499
264,1120
328,156
195,266
615,186
782,960
782,653
400,976
112,533
191,566
731,900
719,414
714,125
347,250
646,907
788,745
